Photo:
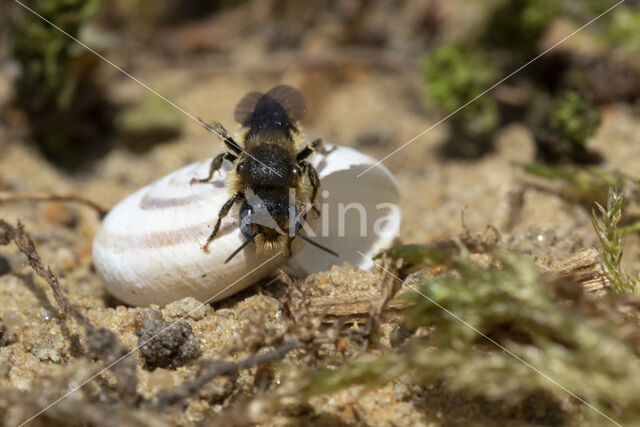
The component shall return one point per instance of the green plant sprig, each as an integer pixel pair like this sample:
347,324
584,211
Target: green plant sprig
612,238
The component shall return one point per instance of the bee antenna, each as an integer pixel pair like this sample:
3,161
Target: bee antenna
317,245
242,246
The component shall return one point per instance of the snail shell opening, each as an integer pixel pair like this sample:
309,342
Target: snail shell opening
358,214
148,250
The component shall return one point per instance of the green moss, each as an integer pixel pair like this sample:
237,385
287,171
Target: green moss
69,117
574,118
561,127
519,24
623,34
525,312
455,74
52,69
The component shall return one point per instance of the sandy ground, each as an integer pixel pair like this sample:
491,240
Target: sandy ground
39,349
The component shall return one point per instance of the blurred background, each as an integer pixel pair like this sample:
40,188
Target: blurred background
374,73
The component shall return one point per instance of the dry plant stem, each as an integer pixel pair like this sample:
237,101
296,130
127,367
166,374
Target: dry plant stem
389,287
102,343
8,197
509,205
334,310
216,369
631,228
584,268
352,308
472,241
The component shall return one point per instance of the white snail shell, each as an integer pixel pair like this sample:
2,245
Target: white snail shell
148,250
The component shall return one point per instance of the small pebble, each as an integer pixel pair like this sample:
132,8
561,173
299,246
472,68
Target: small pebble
248,308
189,307
65,259
217,390
399,335
61,214
145,315
5,367
13,319
161,379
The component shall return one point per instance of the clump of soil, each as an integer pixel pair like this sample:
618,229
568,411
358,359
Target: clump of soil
167,344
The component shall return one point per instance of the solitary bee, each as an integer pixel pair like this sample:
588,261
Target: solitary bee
273,180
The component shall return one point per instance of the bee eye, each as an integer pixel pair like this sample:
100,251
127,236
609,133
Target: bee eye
296,171
241,166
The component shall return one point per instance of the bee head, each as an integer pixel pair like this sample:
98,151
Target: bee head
267,220
269,214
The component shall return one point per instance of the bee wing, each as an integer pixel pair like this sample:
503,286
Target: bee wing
288,97
291,100
244,109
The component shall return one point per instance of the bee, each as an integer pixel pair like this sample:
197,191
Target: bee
273,181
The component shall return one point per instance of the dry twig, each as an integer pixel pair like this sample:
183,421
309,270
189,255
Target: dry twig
9,197
509,205
583,268
213,370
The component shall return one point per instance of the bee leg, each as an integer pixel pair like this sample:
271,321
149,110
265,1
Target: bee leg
316,146
289,242
216,164
315,182
223,212
219,130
